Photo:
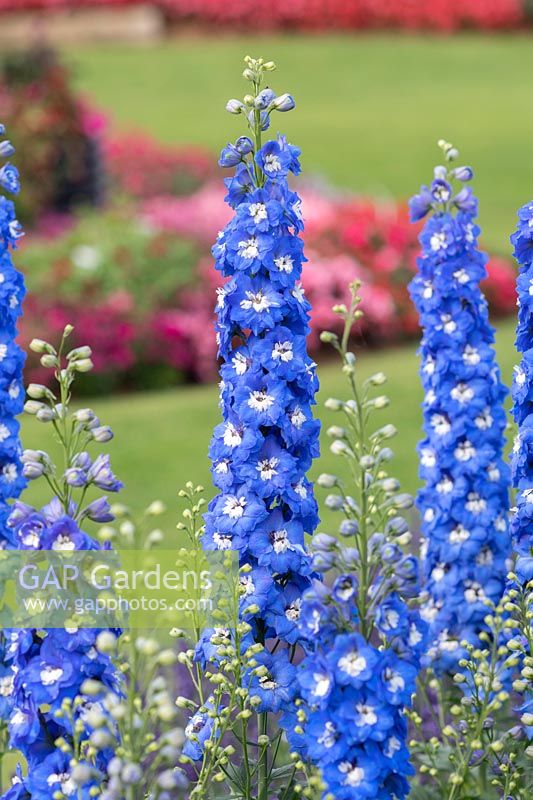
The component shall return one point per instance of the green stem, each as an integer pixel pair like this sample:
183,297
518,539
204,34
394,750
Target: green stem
263,760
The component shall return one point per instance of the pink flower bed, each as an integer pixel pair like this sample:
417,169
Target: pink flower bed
441,15
345,239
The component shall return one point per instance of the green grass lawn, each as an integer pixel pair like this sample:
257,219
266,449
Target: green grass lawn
369,108
161,438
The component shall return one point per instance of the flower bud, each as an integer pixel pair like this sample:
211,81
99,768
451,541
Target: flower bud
234,106
131,773
463,173
33,470
91,687
45,414
37,391
84,415
83,352
285,102
32,406
106,642
333,405
102,434
40,346
326,481
82,365
49,360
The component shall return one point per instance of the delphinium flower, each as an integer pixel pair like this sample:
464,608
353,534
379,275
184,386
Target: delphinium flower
48,720
522,458
11,386
11,356
521,580
363,637
264,447
464,502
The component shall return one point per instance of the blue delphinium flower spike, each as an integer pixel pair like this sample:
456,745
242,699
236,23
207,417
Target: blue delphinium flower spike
11,356
268,438
464,503
522,458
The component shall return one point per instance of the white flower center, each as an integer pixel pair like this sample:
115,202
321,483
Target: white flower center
367,715
258,302
283,352
9,472
394,680
475,504
248,248
267,468
232,437
438,241
464,451
328,737
352,663
461,276
297,417
222,541
445,486
440,424
268,682
354,775
6,685
234,507
471,356
459,535
462,393
258,212
259,400
392,746
448,324
272,163
50,675
280,541
520,376
322,684
240,363
428,458
484,420
284,264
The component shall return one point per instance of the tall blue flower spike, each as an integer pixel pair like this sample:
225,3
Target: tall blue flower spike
266,443
464,503
522,458
11,356
40,670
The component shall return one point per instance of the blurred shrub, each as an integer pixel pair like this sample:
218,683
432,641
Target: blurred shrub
59,158
141,167
111,276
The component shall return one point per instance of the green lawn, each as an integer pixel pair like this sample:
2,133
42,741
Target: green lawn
369,108
161,438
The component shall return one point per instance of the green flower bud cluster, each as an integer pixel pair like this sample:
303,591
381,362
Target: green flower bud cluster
372,502
77,431
139,721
